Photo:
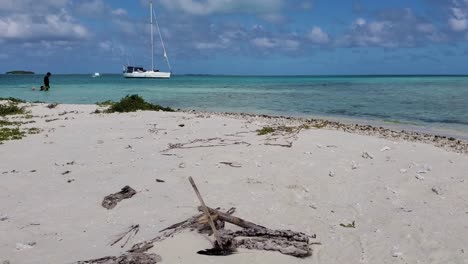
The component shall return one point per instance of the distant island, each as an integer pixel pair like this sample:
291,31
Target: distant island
20,72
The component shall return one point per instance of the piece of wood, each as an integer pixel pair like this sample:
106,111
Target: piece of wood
234,220
207,213
291,248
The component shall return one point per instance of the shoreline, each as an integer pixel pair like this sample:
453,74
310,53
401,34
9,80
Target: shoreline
455,143
448,142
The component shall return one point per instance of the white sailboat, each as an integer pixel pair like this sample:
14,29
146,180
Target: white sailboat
140,72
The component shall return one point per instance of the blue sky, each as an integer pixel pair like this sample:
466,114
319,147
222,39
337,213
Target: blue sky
238,36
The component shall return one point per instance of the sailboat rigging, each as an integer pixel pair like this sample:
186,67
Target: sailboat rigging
140,72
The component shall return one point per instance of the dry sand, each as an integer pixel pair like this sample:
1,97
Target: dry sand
409,200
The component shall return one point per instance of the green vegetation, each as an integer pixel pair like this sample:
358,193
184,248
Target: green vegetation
12,99
106,103
11,109
132,103
352,225
284,129
20,72
9,123
10,134
265,131
33,130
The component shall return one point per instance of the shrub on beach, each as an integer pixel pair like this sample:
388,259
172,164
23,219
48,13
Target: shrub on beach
132,103
10,109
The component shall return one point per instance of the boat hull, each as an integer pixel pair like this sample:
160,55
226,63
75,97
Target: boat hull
148,75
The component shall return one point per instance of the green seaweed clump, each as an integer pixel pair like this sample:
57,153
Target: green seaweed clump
10,109
132,103
10,134
265,131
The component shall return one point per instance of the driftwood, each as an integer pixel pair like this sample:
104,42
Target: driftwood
285,241
130,258
291,248
110,201
197,222
207,213
234,220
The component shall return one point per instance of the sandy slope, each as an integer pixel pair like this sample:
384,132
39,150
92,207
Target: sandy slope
399,218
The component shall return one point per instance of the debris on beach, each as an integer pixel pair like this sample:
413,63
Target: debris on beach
231,164
111,200
354,165
129,258
52,106
437,190
21,246
205,143
130,233
160,181
366,155
352,225
419,177
331,173
251,236
425,169
386,148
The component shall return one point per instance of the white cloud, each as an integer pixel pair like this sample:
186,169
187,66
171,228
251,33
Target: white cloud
268,43
60,26
105,45
459,19
206,7
318,36
31,5
359,22
264,42
119,12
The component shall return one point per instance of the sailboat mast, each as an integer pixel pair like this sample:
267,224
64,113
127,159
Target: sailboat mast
152,37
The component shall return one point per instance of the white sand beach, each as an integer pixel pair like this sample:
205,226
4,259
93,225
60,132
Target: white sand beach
408,200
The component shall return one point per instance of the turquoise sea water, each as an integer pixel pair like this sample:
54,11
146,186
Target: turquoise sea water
427,101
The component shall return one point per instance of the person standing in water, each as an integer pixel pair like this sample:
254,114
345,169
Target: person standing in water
46,85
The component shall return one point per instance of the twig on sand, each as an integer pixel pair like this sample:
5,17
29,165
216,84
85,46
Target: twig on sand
287,145
205,143
231,164
131,232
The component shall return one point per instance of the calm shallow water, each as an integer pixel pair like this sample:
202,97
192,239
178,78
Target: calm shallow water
427,101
